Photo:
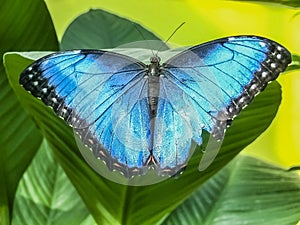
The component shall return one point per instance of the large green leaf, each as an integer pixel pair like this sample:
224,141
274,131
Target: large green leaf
247,191
111,203
99,29
25,25
46,196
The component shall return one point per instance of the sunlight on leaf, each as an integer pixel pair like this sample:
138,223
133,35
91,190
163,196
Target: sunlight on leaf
292,3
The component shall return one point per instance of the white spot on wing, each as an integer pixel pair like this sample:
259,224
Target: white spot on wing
264,74
262,44
253,86
54,100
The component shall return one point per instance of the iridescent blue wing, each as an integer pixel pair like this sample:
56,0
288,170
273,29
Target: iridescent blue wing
103,96
205,87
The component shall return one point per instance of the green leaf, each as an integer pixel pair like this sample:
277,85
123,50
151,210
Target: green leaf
112,203
247,191
46,196
24,26
295,65
98,29
292,3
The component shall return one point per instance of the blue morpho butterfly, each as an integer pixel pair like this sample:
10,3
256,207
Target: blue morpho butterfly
136,116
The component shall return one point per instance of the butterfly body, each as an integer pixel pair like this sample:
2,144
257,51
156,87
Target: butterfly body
153,75
136,116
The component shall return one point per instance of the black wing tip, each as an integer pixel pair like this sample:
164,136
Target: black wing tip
33,82
277,60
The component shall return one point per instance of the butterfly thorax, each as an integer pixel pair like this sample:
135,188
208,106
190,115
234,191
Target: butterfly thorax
153,84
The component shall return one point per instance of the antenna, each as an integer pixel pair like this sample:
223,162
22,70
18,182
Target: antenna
165,42
174,32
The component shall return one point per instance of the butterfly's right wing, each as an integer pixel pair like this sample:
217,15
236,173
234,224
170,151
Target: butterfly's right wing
103,96
205,87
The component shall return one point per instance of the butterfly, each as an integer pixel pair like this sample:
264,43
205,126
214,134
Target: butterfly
135,116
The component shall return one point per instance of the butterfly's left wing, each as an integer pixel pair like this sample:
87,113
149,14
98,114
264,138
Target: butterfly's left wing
103,96
206,86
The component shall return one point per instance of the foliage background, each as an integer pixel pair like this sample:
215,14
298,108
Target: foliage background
45,194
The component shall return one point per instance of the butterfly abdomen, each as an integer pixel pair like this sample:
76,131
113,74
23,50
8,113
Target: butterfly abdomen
153,84
153,92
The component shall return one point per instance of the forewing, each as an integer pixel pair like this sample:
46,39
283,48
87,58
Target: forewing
102,96
206,86
223,76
